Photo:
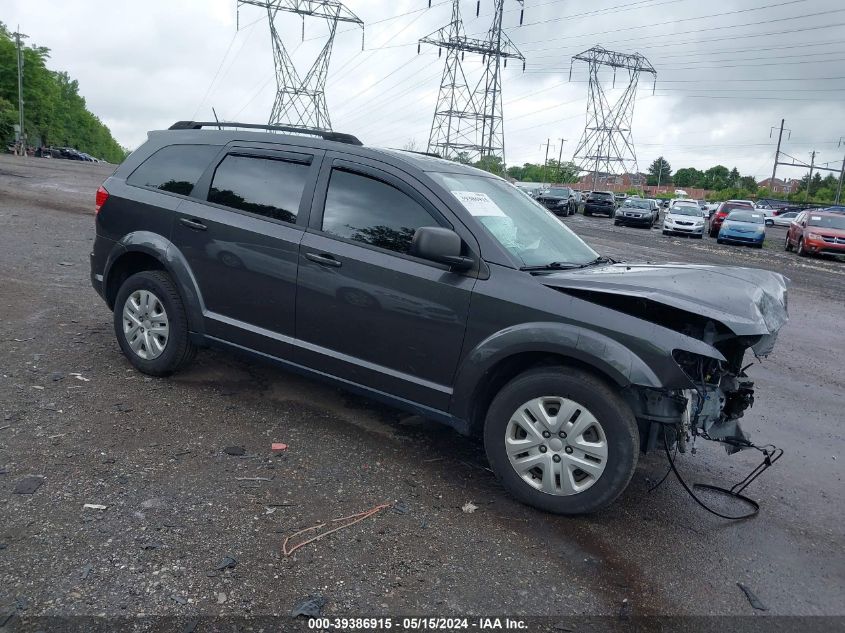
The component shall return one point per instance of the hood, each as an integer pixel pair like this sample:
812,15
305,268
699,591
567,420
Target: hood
748,301
823,230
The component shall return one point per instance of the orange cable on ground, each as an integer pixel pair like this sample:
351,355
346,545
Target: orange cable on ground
355,519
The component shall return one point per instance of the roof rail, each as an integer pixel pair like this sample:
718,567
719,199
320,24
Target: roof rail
328,135
413,151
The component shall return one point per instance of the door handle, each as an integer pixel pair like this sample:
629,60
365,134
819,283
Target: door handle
324,260
193,224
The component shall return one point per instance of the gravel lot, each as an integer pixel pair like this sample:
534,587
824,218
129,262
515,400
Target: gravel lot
177,505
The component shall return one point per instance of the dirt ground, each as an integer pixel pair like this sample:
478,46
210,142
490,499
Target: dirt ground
177,505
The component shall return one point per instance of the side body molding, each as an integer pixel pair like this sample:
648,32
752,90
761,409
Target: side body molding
589,347
162,249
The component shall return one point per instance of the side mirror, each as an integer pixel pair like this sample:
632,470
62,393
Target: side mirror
439,244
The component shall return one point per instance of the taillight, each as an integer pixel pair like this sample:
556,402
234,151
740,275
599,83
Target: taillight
100,199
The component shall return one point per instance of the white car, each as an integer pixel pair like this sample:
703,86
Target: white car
784,219
684,219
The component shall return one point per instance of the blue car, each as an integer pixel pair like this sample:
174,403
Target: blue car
743,227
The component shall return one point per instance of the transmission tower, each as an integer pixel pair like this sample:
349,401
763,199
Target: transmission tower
607,145
468,121
301,102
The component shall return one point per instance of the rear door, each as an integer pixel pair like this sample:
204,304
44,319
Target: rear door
240,232
368,311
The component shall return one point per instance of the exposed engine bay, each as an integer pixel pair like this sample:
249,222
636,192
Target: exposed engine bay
729,310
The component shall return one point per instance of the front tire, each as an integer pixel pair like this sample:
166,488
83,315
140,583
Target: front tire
786,245
151,324
802,252
562,440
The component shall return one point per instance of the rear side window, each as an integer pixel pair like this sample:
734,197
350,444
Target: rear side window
367,210
264,186
175,168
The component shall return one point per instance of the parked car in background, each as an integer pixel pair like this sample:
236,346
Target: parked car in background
682,202
784,219
817,233
602,202
637,212
722,212
559,200
684,219
834,209
745,226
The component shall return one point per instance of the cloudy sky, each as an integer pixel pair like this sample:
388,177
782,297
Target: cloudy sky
728,70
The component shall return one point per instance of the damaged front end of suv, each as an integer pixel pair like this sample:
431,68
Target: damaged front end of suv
726,311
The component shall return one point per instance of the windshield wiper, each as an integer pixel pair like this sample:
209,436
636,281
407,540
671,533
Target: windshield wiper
601,259
552,266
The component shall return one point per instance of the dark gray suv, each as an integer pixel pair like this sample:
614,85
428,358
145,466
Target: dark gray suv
433,286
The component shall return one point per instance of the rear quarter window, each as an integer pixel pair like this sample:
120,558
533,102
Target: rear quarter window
175,168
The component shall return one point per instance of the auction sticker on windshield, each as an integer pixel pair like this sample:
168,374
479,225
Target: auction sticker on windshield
478,204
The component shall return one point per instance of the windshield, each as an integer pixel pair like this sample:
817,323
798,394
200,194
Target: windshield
828,221
559,191
637,204
686,210
745,216
523,227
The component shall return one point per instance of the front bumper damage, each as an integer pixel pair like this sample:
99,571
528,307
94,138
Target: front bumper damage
729,310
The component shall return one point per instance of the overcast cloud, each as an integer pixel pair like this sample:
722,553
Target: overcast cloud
727,70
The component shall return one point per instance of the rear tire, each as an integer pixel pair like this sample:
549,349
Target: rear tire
597,420
719,240
156,354
786,245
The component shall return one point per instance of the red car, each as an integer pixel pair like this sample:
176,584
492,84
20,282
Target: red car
722,212
816,233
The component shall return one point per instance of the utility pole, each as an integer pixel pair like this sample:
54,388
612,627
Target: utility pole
22,136
777,153
659,173
841,173
810,179
559,158
546,162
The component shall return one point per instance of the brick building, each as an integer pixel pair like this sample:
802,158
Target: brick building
788,186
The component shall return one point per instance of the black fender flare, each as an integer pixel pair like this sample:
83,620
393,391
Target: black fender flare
172,260
607,356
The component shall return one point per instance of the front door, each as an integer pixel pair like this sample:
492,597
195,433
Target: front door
367,311
240,233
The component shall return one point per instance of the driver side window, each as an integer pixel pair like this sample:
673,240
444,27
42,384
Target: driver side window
367,210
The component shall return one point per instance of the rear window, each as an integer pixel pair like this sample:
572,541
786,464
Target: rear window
264,186
727,208
601,196
746,216
175,168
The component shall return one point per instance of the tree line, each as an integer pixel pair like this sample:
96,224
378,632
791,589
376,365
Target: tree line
53,108
728,184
